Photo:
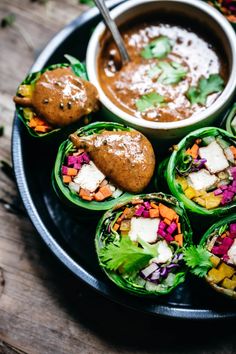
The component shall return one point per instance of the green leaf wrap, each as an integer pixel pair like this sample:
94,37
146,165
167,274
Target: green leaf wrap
105,235
62,190
174,186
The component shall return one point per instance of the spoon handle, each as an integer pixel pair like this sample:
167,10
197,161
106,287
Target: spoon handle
110,23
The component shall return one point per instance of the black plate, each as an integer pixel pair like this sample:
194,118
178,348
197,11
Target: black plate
72,239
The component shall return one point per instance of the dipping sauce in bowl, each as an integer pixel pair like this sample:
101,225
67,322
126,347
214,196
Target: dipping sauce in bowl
174,72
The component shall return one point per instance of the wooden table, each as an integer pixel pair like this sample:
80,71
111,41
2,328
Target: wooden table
43,308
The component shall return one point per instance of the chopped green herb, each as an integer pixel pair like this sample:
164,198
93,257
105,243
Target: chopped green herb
198,259
127,256
1,131
8,20
205,87
87,2
158,48
172,72
149,100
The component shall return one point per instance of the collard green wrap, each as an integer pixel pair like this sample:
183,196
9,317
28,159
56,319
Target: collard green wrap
231,120
210,259
131,281
170,171
79,70
72,198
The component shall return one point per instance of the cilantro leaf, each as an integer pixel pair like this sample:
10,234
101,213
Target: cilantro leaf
149,100
198,259
205,87
158,48
126,256
154,71
172,72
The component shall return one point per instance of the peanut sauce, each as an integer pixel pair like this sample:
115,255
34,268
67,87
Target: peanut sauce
126,158
125,85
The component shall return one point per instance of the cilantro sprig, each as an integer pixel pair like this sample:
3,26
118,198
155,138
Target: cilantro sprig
127,256
149,100
172,72
198,94
158,48
198,259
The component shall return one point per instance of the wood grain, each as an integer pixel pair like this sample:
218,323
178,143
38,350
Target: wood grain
43,308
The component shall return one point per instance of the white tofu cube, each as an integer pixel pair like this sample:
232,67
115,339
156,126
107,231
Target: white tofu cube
164,253
144,228
202,179
214,154
232,253
89,177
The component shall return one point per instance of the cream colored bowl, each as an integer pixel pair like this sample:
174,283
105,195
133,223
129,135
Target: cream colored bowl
194,11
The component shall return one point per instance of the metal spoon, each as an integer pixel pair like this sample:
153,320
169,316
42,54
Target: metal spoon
110,23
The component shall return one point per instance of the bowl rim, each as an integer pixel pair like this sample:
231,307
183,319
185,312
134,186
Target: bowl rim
221,102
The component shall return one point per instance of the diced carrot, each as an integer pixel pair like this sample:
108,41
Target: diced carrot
116,227
86,195
198,141
99,196
153,213
193,151
179,228
233,149
72,171
154,206
137,201
223,235
41,129
66,179
177,219
167,221
125,213
119,220
106,191
179,239
166,212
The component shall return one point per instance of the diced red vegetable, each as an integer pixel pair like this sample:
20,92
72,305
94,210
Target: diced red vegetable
139,211
172,228
147,205
146,214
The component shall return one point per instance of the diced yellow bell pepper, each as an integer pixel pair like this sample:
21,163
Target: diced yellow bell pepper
183,182
28,113
201,201
212,201
215,276
229,284
215,260
25,90
190,192
227,270
234,278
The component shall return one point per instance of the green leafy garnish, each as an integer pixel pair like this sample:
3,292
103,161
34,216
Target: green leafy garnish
149,100
172,72
126,255
205,87
198,259
77,66
154,71
158,48
222,229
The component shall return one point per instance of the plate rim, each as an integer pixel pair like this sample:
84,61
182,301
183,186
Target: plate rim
158,310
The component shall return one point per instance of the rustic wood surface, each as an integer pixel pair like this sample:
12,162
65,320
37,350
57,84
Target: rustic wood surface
43,308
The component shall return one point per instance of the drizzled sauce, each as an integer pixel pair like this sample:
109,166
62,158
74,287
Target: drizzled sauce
125,86
125,157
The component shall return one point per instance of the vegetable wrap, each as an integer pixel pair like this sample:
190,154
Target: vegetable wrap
231,120
215,257
140,244
101,164
201,172
55,98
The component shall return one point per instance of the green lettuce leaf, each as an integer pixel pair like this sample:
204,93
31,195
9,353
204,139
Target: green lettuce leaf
205,87
158,48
